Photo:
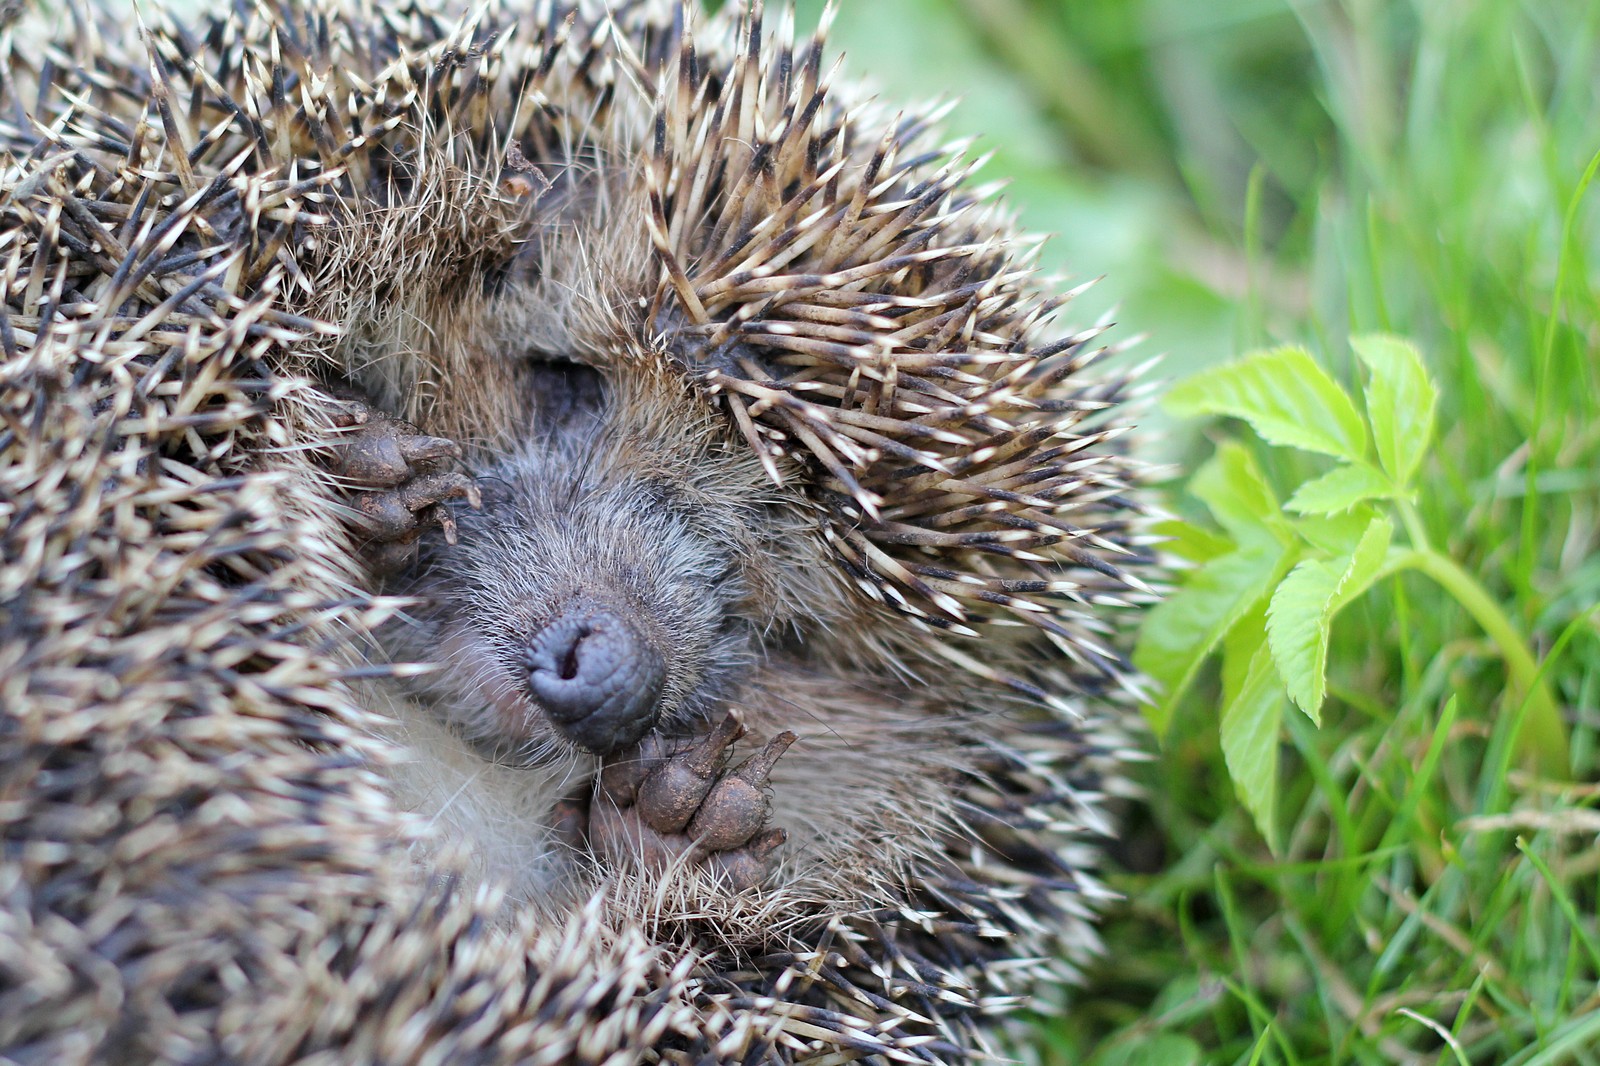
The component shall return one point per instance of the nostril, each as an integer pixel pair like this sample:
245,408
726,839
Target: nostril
569,662
597,678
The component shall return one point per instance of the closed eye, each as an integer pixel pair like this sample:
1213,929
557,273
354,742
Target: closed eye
567,395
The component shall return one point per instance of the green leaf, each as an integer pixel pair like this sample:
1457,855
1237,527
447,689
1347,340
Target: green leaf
1336,534
1185,628
1285,396
1340,489
1366,562
1252,716
1400,402
1302,610
1235,490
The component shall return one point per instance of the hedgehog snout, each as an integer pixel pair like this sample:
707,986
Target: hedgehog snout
597,677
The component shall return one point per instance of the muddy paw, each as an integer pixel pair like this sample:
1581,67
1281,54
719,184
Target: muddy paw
405,495
657,805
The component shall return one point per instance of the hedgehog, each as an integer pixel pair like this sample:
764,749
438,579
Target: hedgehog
553,532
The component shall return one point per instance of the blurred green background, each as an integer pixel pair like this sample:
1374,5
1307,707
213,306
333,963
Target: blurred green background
1254,172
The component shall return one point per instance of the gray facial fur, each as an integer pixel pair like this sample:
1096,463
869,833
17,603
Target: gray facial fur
595,566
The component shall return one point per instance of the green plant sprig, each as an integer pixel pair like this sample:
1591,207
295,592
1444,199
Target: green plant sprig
1266,587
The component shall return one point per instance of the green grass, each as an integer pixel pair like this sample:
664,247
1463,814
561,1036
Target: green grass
1260,172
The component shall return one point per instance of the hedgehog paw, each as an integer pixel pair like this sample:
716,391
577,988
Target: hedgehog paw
404,496
657,805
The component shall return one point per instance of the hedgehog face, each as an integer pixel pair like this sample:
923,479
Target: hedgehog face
599,592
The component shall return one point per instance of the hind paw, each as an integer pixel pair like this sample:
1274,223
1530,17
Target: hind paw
403,493
659,805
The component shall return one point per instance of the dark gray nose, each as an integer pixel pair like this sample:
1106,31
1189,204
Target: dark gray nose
596,677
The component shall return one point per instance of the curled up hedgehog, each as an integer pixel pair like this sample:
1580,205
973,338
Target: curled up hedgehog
556,533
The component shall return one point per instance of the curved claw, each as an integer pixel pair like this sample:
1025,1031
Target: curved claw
417,448
347,412
429,489
758,767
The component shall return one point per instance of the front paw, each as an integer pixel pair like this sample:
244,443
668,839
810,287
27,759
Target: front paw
403,492
659,805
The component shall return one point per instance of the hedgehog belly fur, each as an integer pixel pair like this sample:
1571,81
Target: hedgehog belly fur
488,821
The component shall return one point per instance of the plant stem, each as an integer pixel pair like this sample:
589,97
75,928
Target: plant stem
1542,733
1411,518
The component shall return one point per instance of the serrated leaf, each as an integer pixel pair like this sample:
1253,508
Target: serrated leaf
1252,716
1301,615
1285,396
1183,630
1400,402
1340,489
1366,562
1297,630
1336,534
1234,489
